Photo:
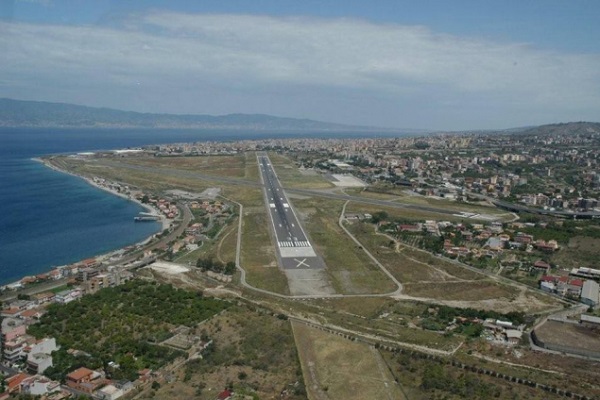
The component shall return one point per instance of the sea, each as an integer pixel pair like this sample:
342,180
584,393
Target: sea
49,218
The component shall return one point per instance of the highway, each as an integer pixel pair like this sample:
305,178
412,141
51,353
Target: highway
294,248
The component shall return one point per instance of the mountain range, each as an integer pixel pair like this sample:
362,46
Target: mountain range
20,113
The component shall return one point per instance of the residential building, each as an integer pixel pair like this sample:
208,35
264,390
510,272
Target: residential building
109,392
39,386
39,356
67,296
37,363
13,384
85,380
12,328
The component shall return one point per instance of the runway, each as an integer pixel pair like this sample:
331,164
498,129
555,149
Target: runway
294,248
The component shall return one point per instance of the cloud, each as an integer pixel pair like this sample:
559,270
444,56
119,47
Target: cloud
250,57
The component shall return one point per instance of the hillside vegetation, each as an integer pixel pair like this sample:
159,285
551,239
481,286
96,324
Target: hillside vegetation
123,324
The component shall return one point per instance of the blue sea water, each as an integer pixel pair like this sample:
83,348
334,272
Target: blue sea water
48,218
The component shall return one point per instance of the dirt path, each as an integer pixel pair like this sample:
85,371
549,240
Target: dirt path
231,230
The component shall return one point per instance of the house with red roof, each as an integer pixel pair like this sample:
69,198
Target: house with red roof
13,384
541,265
85,380
225,395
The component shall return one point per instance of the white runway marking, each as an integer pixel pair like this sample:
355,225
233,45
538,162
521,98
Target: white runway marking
301,263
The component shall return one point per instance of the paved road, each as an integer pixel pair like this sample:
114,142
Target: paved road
37,288
293,245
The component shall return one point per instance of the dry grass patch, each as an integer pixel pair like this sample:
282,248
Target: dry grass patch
247,196
225,165
251,172
351,271
437,262
464,291
258,255
253,353
402,213
580,252
291,177
404,267
362,306
336,368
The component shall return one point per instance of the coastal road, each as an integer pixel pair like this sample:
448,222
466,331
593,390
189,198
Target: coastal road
293,245
185,221
35,288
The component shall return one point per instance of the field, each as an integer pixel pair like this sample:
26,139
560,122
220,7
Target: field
423,379
431,278
337,368
253,354
402,196
571,335
406,264
231,166
466,291
291,177
258,253
407,214
350,269
580,252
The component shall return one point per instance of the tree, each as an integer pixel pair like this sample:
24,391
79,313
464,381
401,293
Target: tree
379,216
229,268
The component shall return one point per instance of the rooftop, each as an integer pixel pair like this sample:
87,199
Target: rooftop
80,373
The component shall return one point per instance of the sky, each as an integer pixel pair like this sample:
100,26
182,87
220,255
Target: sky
443,65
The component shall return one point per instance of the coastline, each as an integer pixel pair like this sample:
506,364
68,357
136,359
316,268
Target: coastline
165,223
163,220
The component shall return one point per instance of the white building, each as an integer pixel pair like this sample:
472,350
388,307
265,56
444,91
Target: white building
37,363
590,293
109,392
39,386
39,357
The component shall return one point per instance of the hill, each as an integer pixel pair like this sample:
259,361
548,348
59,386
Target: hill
571,128
19,113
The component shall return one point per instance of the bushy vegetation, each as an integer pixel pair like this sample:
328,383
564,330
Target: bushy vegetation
208,264
256,345
447,314
565,231
439,319
436,377
122,324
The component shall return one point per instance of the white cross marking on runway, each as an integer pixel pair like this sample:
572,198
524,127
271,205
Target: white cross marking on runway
301,262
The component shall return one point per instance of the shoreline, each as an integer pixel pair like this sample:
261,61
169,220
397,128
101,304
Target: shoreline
165,223
163,220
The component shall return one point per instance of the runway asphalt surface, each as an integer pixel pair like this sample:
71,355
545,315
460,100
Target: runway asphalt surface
294,248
